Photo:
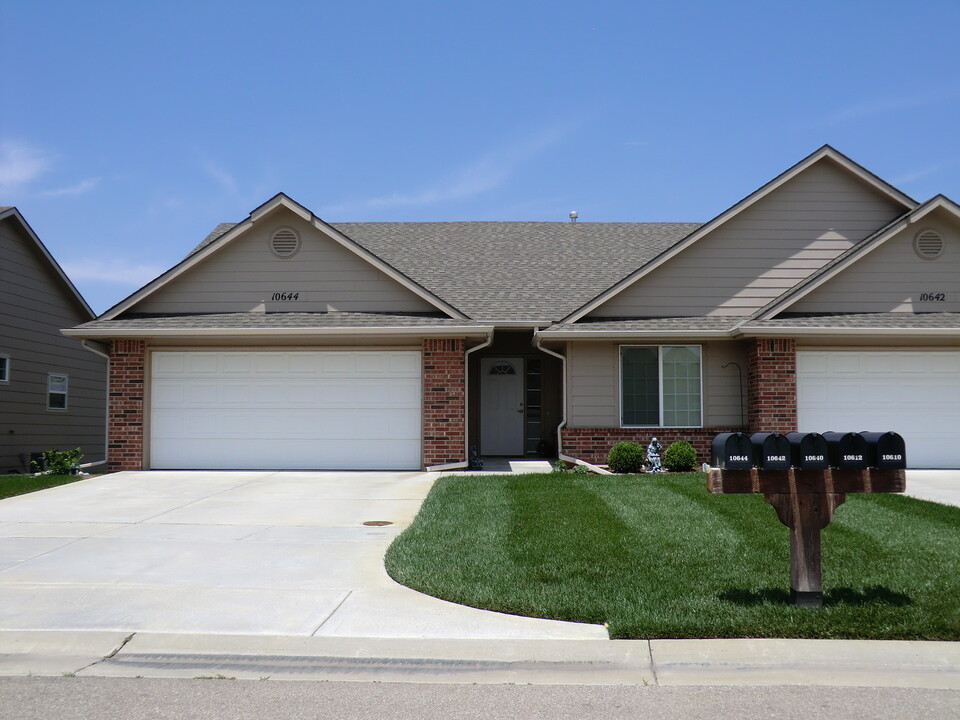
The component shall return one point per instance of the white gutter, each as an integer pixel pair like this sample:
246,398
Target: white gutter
837,331
537,339
607,334
423,330
466,409
85,344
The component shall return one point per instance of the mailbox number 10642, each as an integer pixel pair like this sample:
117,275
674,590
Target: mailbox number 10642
933,297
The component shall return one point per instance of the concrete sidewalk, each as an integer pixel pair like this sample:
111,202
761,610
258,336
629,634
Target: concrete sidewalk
852,663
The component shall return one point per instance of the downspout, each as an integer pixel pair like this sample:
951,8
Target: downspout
537,339
466,409
106,420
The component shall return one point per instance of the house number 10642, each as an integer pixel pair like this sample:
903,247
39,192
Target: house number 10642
285,296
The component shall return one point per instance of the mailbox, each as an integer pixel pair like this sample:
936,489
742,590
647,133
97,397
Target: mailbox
885,450
808,451
732,451
847,451
771,451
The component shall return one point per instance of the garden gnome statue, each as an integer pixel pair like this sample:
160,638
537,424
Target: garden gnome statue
653,456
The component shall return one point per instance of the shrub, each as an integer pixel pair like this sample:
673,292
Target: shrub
679,457
58,462
626,457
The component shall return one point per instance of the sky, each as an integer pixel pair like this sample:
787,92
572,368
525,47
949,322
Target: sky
128,130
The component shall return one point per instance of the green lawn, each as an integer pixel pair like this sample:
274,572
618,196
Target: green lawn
660,557
11,485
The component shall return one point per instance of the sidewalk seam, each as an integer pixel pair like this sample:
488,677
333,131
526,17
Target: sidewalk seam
653,664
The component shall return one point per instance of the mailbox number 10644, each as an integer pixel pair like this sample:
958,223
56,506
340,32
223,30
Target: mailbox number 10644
285,296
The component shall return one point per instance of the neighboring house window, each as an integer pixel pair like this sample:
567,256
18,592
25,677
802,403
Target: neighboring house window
660,386
4,368
56,392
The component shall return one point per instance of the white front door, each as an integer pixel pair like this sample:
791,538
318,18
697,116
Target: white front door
501,406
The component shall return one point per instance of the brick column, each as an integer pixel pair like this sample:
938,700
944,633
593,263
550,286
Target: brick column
444,394
125,405
772,385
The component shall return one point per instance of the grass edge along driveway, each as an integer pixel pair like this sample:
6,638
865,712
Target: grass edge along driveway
13,485
660,557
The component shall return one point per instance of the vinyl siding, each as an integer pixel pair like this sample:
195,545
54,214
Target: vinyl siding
893,277
246,273
765,250
34,305
593,382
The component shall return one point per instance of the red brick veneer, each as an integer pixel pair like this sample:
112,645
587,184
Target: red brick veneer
593,444
444,394
125,405
772,385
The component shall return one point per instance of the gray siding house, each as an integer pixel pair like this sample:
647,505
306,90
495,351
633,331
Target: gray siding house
827,299
52,389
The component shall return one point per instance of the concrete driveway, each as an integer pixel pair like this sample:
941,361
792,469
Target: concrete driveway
277,553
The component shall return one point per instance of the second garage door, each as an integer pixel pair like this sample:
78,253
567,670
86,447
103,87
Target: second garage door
914,393
355,410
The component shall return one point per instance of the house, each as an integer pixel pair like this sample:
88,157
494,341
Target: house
825,300
52,390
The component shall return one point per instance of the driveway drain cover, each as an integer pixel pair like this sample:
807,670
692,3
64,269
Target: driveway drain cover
378,523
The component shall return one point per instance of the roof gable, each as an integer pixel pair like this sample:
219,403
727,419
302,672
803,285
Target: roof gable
804,253
68,289
236,271
885,274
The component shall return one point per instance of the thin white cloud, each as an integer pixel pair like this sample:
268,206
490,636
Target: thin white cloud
909,177
491,171
223,178
890,104
84,186
21,164
112,270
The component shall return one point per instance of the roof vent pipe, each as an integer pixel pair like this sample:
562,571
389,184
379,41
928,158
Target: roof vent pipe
573,216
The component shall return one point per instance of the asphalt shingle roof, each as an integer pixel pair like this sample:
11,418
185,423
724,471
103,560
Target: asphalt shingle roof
879,321
536,271
291,321
719,323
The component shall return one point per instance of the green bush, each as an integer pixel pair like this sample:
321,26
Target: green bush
680,457
58,462
626,457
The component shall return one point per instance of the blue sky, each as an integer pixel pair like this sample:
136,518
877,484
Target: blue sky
129,130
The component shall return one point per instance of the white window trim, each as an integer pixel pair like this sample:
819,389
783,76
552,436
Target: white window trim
65,393
5,377
660,382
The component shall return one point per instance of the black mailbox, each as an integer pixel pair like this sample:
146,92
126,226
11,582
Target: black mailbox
732,451
885,450
808,451
771,451
847,451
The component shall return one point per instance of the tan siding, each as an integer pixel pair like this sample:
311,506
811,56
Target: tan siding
326,275
765,250
893,277
34,306
593,382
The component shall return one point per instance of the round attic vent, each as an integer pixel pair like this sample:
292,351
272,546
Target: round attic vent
285,242
928,244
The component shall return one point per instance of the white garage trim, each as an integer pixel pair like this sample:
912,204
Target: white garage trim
286,409
913,392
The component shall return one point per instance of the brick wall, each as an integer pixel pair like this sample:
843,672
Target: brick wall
593,444
125,405
444,385
772,385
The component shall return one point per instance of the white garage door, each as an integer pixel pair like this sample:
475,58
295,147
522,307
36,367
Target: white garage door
285,410
916,394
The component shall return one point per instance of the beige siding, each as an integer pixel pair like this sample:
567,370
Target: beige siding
893,278
34,305
246,274
768,248
593,372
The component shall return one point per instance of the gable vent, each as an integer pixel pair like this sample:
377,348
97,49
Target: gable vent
285,243
928,244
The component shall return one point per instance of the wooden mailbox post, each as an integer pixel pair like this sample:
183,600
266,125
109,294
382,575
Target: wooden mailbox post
805,501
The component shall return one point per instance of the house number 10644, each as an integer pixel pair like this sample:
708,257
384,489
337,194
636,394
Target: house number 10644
285,296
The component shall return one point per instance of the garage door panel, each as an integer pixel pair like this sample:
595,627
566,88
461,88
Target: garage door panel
914,393
286,410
